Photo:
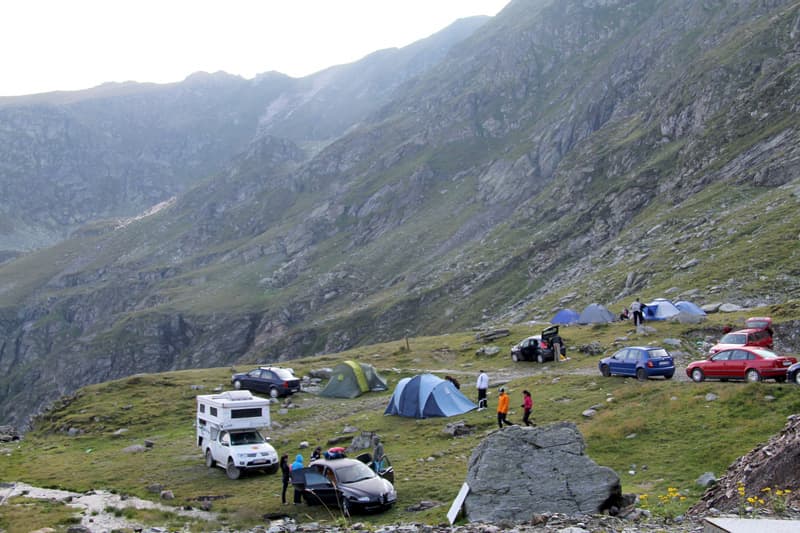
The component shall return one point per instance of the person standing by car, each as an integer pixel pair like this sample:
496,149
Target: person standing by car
377,453
286,472
297,465
527,405
502,409
556,344
482,385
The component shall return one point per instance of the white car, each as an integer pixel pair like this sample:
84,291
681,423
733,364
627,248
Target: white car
238,450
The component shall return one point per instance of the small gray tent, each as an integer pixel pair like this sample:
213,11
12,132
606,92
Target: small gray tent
595,314
350,380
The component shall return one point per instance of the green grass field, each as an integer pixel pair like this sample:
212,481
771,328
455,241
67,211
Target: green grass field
656,434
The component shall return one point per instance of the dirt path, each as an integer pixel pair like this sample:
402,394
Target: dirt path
92,506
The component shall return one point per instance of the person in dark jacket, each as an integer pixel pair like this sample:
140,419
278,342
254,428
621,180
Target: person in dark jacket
286,473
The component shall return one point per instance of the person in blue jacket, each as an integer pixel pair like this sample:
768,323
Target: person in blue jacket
297,465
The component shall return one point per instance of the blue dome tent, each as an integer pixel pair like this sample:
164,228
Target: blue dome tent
595,314
690,308
565,316
659,309
426,395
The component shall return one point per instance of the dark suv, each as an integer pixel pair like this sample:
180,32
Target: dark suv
538,347
273,380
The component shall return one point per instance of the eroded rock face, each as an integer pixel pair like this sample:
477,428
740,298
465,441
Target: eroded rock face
770,466
519,471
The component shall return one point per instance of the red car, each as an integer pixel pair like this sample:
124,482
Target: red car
744,362
743,337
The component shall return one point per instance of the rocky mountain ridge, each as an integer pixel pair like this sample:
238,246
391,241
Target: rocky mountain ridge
564,153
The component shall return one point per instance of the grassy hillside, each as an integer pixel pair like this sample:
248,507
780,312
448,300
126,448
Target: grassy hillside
655,434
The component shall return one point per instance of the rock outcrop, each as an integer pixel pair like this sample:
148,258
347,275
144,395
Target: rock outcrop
521,471
772,466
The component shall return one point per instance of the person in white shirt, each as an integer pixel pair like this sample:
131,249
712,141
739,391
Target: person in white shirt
482,385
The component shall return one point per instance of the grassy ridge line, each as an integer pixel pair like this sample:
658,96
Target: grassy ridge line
666,425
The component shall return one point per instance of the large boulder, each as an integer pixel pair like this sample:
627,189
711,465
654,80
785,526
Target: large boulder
520,471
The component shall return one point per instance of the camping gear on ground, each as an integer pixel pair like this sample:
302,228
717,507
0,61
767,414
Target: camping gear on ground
350,379
335,453
426,395
565,316
595,314
659,309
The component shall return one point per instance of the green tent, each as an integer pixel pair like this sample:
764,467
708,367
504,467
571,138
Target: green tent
350,379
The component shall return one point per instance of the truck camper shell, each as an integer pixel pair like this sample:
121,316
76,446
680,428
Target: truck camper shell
231,410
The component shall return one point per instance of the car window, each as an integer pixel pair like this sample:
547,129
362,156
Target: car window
267,374
757,324
254,373
632,355
733,338
661,352
353,472
739,355
722,356
282,373
766,354
620,355
246,437
316,478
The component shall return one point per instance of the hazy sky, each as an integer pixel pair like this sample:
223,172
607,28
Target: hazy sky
75,44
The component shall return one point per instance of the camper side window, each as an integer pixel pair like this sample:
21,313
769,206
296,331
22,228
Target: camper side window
213,411
202,408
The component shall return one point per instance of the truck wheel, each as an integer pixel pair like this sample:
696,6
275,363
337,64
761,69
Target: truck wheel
271,469
210,462
232,471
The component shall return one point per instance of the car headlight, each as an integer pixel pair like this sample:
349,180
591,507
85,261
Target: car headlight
363,499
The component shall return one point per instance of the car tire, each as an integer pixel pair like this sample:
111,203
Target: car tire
271,469
232,470
641,374
514,357
752,376
668,376
797,378
210,462
780,379
237,384
605,370
540,358
346,507
273,392
697,375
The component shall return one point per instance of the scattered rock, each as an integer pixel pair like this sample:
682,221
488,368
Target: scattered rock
8,434
423,506
148,443
729,308
458,429
710,397
155,488
349,429
589,413
134,448
167,495
120,431
492,334
303,445
487,350
706,480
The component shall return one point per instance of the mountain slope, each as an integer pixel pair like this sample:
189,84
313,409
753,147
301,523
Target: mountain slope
564,153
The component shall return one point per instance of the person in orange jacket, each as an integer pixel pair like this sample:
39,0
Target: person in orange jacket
502,408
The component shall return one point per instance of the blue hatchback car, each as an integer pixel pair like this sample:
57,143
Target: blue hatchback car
641,362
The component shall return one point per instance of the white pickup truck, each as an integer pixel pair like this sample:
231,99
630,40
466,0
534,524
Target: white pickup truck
227,432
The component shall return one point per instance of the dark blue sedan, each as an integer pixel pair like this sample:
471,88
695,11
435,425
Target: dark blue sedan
641,362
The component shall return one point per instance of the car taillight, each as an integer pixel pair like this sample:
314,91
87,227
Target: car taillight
649,364
286,384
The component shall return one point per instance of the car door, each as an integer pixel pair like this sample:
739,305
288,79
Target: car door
737,363
528,349
316,488
251,380
715,367
617,362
